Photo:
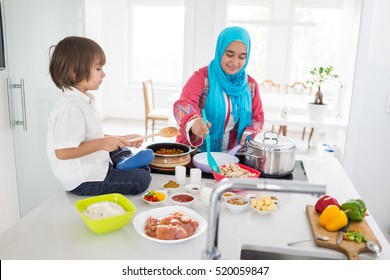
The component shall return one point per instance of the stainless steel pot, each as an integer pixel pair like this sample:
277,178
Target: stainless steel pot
271,154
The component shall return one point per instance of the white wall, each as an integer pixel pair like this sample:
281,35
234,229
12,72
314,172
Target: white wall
367,152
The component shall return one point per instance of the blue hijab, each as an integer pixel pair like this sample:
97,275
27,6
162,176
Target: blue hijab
235,86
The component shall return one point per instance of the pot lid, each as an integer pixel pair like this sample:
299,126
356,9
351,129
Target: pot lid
271,140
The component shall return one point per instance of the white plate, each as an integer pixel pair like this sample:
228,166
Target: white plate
200,160
139,222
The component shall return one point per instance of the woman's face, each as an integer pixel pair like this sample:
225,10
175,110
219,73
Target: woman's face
234,58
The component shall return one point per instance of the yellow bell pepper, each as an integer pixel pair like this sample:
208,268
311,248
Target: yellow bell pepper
333,218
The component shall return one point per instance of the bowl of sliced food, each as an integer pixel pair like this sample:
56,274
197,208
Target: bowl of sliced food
236,170
155,197
264,204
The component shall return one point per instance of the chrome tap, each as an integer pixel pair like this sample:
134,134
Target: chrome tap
212,252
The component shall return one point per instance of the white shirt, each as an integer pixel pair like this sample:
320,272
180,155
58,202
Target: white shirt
74,120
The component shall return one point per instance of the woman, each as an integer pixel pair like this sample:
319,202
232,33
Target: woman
229,97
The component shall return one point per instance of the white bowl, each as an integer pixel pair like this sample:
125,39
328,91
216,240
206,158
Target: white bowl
172,190
227,195
236,208
263,210
274,198
183,199
200,160
155,202
193,188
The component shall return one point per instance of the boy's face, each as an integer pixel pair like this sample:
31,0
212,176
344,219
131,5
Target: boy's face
96,75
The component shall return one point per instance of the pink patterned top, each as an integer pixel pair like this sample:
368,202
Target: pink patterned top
192,100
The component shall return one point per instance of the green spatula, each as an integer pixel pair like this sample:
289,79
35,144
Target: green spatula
213,164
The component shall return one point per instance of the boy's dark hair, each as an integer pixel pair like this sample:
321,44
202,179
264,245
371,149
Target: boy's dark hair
71,60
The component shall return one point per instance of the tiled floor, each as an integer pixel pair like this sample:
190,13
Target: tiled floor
122,127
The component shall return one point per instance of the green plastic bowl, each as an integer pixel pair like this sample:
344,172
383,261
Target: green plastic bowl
106,224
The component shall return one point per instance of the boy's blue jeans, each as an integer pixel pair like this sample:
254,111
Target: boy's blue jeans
126,182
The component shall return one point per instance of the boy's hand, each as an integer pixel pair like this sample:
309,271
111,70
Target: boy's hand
135,144
111,143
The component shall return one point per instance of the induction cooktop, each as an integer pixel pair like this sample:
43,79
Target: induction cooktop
298,174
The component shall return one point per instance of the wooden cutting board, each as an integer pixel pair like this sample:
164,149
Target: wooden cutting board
350,248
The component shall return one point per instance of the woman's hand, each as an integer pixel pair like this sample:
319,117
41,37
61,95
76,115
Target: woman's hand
136,144
200,129
246,136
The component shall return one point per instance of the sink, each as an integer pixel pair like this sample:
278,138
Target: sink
250,252
270,253
247,254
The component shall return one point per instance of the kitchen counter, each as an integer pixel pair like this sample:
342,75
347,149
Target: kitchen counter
54,230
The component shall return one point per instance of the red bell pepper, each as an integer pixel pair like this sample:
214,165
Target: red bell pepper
324,201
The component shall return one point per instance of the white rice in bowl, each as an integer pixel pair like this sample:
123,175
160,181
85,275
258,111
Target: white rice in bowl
103,209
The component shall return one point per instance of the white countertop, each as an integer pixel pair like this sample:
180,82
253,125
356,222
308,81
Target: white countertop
54,230
300,120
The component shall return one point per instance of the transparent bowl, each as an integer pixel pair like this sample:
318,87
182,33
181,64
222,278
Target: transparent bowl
109,224
206,190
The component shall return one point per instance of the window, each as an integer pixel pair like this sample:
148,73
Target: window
156,41
323,33
283,34
248,16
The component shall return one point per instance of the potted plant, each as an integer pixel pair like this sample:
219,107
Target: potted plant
319,76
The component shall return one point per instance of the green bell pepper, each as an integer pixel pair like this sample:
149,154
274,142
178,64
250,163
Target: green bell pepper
355,209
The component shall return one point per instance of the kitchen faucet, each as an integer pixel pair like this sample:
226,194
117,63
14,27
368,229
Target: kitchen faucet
212,252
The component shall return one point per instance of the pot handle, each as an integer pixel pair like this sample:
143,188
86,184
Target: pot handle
251,155
272,136
235,149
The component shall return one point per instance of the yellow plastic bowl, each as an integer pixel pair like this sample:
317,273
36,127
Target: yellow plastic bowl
106,224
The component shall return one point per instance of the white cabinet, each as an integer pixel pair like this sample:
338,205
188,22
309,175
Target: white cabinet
31,27
9,205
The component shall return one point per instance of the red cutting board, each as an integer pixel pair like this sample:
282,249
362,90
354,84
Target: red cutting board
350,248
